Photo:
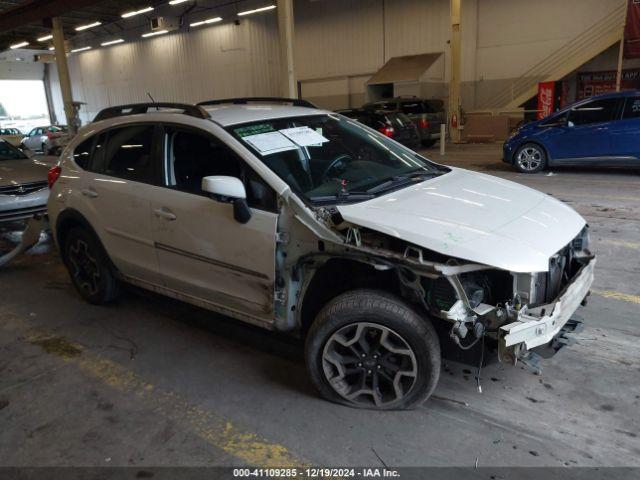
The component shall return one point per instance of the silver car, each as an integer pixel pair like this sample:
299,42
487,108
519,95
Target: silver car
23,184
49,139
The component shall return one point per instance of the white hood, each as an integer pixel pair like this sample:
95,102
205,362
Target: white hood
475,217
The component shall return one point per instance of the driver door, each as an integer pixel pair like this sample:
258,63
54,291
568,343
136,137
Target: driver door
203,252
586,138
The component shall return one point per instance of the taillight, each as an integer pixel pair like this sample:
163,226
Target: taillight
423,123
388,131
53,175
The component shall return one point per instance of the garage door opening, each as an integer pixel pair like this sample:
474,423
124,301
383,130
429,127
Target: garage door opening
23,104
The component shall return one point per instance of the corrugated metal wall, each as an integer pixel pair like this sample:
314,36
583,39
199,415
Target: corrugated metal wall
221,61
337,44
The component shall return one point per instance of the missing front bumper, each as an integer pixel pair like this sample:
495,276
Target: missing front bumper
541,325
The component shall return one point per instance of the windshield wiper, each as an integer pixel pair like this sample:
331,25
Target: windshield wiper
401,179
344,196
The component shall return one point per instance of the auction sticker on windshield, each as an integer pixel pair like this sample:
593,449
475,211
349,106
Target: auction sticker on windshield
304,136
270,142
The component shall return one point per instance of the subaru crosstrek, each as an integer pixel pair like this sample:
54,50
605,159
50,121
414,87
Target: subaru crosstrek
601,131
297,219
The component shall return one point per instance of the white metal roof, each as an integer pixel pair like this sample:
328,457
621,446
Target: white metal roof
229,114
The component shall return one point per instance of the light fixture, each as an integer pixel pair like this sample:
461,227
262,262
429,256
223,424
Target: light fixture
111,42
206,22
80,49
51,48
153,34
45,38
256,10
19,45
177,2
136,12
87,26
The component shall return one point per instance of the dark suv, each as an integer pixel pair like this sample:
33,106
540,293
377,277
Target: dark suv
395,125
426,114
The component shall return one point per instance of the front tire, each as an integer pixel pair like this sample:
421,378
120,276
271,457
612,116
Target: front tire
369,349
530,158
89,267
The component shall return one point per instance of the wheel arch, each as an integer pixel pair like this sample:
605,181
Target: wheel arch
71,218
328,281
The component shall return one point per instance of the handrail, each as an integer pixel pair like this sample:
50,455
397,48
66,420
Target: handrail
609,24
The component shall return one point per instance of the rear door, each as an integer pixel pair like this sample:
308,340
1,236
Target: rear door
203,251
123,171
586,137
625,134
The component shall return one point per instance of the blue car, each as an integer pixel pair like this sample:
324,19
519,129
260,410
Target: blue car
601,131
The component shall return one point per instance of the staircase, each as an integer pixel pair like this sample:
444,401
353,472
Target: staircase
563,61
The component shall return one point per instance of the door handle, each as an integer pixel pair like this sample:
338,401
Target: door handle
89,192
164,213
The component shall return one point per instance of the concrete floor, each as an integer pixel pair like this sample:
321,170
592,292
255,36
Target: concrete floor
150,381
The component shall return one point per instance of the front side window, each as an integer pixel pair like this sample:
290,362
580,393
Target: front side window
192,155
9,152
128,153
327,158
598,111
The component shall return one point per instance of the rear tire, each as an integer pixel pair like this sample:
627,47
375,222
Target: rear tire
89,267
428,143
369,349
530,158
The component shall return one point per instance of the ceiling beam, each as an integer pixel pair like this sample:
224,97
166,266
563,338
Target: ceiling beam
37,10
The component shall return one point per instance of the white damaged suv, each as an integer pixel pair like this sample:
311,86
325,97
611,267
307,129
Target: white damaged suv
297,219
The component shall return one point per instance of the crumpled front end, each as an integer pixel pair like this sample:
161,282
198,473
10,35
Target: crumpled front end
538,312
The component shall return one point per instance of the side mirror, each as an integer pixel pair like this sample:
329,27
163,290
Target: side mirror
229,190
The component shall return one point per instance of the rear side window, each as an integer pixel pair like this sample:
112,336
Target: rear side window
128,153
82,153
414,108
597,111
631,108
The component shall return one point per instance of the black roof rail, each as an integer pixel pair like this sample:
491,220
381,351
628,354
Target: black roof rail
296,102
137,108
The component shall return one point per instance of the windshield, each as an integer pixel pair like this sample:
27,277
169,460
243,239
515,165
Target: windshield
329,158
9,152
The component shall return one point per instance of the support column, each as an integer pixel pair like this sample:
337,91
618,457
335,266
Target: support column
285,30
619,69
454,81
63,69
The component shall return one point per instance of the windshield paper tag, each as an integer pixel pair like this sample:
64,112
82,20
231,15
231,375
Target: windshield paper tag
304,136
271,142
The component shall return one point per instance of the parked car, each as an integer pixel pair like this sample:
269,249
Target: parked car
602,131
49,140
310,223
394,125
23,184
11,135
427,114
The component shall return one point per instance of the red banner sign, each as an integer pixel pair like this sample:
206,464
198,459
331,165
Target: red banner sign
632,30
595,83
546,91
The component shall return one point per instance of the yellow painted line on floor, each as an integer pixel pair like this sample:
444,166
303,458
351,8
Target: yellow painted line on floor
621,243
217,431
624,297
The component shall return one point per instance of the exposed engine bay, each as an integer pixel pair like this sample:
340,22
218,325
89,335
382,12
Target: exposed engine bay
514,312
